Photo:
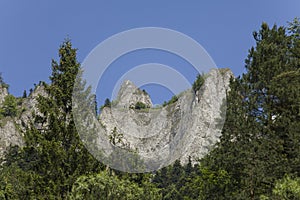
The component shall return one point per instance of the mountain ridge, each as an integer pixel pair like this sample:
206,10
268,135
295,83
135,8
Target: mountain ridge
178,130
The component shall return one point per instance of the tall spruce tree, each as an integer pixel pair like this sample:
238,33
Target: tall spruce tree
260,138
68,157
54,153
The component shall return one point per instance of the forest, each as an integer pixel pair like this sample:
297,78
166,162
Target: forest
257,157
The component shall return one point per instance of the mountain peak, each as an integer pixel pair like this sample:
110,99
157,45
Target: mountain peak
129,94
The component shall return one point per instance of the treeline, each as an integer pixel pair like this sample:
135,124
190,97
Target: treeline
258,156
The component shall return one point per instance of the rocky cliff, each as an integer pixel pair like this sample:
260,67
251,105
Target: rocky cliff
188,127
9,133
12,128
3,94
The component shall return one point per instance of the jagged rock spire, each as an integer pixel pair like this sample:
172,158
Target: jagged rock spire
129,95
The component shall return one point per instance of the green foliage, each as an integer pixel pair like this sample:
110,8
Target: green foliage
260,138
15,183
212,184
171,101
105,186
259,143
145,92
287,188
175,181
107,104
169,179
54,153
24,94
294,27
198,82
9,107
192,182
2,83
63,76
140,105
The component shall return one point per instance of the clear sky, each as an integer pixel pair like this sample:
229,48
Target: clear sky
31,32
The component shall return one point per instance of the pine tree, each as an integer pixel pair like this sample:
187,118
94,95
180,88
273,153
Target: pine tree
260,138
54,152
24,94
107,103
73,157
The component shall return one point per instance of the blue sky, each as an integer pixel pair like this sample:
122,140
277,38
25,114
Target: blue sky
31,32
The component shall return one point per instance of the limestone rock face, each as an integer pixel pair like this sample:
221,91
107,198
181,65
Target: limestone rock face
129,95
188,127
12,128
3,94
9,135
30,106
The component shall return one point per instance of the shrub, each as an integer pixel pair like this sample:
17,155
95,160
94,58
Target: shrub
172,100
107,103
2,83
140,105
9,107
198,82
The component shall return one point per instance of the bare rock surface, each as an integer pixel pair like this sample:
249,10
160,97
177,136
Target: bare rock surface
188,127
12,128
3,94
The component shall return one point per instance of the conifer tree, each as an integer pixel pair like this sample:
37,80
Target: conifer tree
53,152
260,138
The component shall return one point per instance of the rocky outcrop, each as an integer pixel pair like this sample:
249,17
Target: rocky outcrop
188,127
3,94
12,128
30,107
9,133
129,95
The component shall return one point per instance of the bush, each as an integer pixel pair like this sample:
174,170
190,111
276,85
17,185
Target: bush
106,186
2,83
172,100
140,105
198,82
107,104
9,107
